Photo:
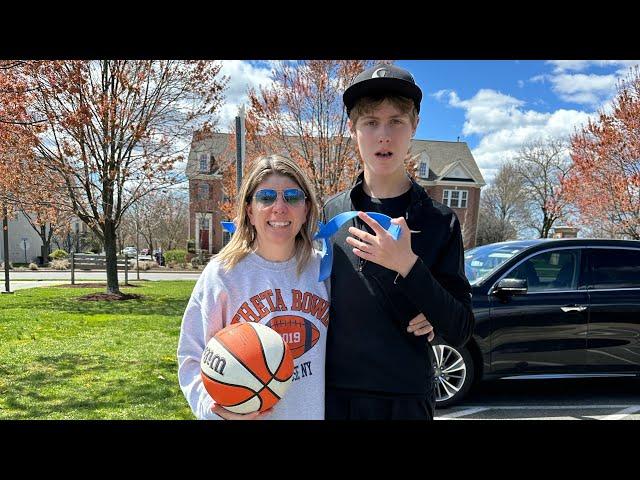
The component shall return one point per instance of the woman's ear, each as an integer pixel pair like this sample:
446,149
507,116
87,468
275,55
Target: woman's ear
249,209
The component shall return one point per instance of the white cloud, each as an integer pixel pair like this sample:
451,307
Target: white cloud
489,111
562,66
584,89
439,95
520,83
570,65
505,125
242,75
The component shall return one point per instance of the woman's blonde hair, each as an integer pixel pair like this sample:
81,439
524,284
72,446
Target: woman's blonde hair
243,240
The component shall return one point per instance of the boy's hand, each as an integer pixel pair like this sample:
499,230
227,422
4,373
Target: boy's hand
381,248
228,415
419,325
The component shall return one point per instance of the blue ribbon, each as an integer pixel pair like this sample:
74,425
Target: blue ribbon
228,227
325,232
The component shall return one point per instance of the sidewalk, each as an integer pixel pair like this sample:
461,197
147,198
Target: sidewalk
22,285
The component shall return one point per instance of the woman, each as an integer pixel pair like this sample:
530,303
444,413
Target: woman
265,271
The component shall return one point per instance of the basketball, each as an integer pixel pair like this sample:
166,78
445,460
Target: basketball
246,367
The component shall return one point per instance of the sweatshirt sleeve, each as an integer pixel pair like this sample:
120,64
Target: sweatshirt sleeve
193,336
443,293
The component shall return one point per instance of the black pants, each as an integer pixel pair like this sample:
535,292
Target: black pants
354,405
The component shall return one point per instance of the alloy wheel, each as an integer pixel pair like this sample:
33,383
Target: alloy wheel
450,372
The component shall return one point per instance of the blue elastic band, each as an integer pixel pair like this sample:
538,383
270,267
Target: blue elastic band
325,232
228,227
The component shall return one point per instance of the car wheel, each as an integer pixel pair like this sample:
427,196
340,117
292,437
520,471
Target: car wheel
454,372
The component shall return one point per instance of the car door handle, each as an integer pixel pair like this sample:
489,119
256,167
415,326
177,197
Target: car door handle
574,308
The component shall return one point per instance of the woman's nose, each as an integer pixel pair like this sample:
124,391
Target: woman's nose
280,205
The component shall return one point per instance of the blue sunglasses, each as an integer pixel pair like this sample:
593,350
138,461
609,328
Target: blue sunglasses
268,196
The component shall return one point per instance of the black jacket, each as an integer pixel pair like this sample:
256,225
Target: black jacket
368,347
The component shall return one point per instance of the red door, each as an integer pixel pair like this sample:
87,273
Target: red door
204,240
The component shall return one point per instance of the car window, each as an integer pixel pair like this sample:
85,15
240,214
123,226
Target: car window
552,270
480,262
615,268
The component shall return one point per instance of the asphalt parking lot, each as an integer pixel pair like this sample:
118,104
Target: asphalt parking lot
566,399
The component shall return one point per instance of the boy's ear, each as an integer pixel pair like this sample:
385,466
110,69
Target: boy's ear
350,127
415,127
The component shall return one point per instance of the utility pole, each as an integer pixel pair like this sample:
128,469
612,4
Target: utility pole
240,146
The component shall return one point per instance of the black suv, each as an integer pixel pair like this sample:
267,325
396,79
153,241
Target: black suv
547,309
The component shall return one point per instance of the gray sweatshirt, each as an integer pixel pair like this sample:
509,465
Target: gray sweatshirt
257,290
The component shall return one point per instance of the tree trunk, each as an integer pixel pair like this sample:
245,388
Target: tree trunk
111,257
46,243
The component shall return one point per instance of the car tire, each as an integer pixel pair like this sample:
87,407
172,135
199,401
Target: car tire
454,373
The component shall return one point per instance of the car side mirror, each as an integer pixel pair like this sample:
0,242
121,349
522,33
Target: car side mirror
511,286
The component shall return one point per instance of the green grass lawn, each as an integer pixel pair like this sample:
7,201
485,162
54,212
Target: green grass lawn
65,359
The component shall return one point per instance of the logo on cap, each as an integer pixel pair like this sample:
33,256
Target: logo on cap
380,72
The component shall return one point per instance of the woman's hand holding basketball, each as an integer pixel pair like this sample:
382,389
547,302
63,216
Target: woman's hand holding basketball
228,415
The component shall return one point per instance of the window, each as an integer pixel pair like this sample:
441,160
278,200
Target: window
204,223
203,163
615,268
424,172
463,199
555,270
455,198
203,191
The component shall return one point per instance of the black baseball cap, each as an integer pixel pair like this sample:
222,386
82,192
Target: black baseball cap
382,79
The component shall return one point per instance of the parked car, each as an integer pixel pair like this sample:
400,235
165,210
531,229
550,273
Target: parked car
561,308
129,251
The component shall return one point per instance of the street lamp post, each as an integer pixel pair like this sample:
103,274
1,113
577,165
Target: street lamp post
137,244
5,235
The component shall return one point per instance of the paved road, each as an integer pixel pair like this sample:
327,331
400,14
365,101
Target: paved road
571,399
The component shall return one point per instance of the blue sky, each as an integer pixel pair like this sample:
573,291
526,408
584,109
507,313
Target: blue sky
493,105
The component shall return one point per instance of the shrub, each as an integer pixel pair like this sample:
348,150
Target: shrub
175,256
10,265
33,266
61,264
147,265
58,254
196,262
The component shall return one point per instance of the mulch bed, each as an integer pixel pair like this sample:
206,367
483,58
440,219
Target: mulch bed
102,296
110,297
92,285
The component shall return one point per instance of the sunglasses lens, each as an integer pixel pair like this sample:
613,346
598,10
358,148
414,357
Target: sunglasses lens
293,196
266,196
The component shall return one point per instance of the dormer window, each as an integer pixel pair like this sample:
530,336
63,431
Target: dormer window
423,172
203,162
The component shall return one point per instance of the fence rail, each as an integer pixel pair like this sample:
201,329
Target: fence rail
85,261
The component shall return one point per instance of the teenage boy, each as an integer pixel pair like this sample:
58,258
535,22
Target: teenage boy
377,368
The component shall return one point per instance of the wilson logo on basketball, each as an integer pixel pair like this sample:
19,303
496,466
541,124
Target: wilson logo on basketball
299,334
215,362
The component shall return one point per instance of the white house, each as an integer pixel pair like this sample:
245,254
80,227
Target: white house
24,242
